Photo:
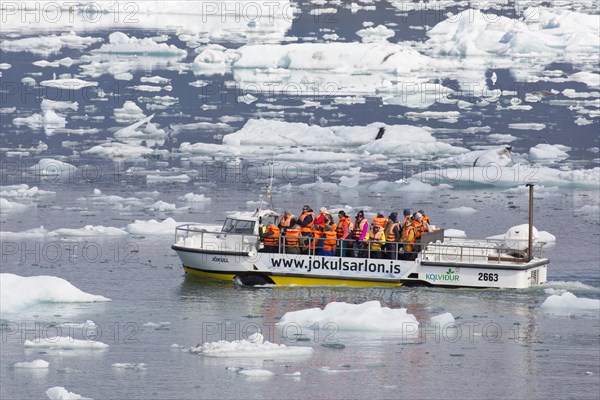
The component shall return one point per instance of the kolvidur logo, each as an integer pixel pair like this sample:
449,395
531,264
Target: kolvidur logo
449,276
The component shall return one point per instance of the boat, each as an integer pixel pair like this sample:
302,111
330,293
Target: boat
236,253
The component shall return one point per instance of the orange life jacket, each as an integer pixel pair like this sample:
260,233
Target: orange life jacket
308,227
272,240
330,240
389,234
377,240
381,221
358,228
409,234
292,237
340,227
285,222
317,234
426,220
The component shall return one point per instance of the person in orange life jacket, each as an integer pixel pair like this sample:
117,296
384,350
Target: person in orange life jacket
379,220
425,217
421,226
306,221
360,234
377,241
270,238
292,239
409,233
288,220
392,236
323,213
328,239
343,231
407,217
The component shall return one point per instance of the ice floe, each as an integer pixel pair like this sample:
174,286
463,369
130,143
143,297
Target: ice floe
253,347
462,210
60,393
120,43
35,364
7,206
68,83
46,45
195,198
152,227
130,366
548,152
18,292
90,230
569,303
65,342
443,319
48,120
369,316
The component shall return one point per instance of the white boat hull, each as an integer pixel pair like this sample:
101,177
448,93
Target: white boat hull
297,269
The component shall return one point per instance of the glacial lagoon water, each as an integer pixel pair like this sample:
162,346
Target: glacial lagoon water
506,346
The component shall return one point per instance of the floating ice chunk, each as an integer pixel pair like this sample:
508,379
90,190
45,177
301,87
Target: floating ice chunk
527,126
59,105
35,364
545,152
48,120
539,191
379,33
5,66
463,210
369,316
162,206
581,121
158,80
7,206
60,393
568,302
591,79
501,138
119,150
443,319
129,113
34,233
255,372
167,179
152,227
254,347
23,191
90,230
46,45
64,342
120,43
195,198
157,326
68,83
18,293
414,186
131,366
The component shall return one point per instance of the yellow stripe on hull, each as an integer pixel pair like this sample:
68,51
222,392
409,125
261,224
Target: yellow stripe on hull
282,280
211,275
305,281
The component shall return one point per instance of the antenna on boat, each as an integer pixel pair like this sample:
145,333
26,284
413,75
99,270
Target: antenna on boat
530,245
270,187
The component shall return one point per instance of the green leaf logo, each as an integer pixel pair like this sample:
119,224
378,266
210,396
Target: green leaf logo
449,272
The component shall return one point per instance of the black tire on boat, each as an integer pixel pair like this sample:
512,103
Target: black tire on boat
253,279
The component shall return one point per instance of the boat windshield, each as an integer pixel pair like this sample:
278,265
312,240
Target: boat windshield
238,226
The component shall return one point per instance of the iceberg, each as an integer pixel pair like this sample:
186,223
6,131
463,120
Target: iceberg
369,316
18,293
253,347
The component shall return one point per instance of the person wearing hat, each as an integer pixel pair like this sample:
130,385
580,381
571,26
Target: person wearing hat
392,234
288,220
323,213
360,234
306,220
407,217
343,232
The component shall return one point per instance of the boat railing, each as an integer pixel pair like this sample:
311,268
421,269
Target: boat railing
432,246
